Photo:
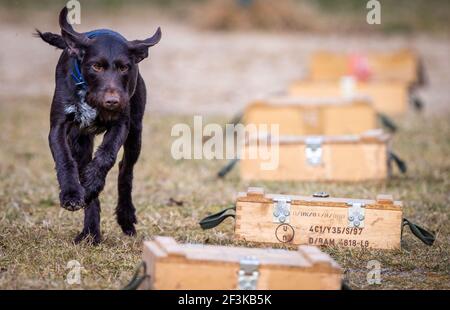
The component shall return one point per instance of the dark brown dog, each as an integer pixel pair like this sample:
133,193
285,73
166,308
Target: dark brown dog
98,90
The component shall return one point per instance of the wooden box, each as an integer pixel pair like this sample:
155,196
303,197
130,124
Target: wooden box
317,158
305,116
173,266
401,65
387,97
319,220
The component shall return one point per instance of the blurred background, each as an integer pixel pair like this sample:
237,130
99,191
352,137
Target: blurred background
217,55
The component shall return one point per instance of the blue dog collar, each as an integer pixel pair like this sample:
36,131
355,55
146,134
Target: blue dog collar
76,74
100,32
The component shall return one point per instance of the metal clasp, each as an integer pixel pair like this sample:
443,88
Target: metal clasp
281,210
321,195
356,214
313,150
248,273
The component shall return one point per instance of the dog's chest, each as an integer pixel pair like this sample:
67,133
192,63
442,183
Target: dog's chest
85,116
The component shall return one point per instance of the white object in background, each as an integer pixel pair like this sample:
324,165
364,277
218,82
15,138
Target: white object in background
348,86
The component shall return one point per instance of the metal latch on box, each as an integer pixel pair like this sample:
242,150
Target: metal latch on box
313,150
248,273
281,210
356,214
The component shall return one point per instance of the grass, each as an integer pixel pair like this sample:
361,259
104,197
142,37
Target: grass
398,16
36,234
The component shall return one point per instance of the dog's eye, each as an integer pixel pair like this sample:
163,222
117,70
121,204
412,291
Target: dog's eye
123,68
97,67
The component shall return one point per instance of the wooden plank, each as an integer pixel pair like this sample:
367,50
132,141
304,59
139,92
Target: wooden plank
189,276
372,136
300,116
390,98
385,199
340,162
322,225
328,65
216,267
401,65
387,97
254,192
382,201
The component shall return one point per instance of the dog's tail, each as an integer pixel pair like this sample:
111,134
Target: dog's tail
51,38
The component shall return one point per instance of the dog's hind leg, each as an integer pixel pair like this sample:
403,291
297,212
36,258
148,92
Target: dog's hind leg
91,229
82,149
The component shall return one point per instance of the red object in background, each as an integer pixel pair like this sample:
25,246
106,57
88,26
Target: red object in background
359,67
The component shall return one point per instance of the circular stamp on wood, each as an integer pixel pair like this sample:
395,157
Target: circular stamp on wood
285,233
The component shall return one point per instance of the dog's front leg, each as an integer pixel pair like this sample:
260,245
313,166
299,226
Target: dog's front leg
94,175
71,194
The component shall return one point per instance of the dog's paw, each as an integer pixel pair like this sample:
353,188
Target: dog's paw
72,199
127,225
129,230
93,238
126,218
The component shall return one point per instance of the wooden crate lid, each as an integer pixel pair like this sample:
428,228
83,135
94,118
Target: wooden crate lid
371,136
289,100
381,202
394,57
309,257
400,53
336,83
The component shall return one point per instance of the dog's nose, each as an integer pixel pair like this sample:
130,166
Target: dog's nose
111,101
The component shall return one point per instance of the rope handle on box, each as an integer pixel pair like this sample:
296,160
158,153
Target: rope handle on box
227,168
345,286
401,164
421,233
237,119
215,219
387,122
137,280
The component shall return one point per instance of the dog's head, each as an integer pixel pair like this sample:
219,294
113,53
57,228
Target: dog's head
108,63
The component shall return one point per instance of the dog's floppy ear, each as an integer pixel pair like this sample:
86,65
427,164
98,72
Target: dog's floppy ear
76,42
139,48
51,38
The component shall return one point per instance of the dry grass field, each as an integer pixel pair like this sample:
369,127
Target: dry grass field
213,74
36,234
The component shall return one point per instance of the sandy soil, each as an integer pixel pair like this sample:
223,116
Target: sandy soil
205,72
